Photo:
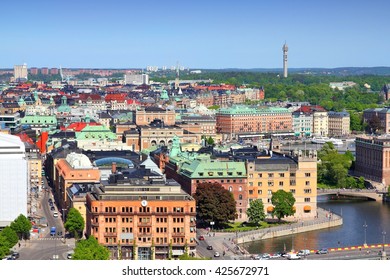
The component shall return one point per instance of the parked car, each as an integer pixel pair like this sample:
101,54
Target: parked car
265,256
216,254
293,256
201,237
15,255
304,252
276,255
322,251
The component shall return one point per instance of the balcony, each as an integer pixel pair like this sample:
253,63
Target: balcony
178,234
110,234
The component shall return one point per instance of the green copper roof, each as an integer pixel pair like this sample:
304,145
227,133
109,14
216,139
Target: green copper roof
37,119
213,169
150,149
96,132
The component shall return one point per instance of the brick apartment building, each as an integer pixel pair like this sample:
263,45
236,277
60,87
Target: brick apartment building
139,215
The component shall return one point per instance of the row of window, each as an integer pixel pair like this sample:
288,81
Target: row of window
220,173
281,183
272,175
306,199
109,209
269,192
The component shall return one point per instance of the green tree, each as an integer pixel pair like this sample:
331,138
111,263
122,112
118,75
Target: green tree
361,183
74,223
22,226
351,182
4,246
214,203
255,211
10,235
374,125
356,121
333,167
283,204
210,141
90,249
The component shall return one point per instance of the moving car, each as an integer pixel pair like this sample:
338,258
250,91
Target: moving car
55,214
201,237
293,256
216,254
209,247
15,255
304,252
322,251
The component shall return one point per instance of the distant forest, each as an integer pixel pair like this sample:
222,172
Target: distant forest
304,87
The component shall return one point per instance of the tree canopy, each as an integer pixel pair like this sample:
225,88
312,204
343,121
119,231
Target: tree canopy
74,223
90,249
22,226
255,211
333,167
214,203
283,204
10,236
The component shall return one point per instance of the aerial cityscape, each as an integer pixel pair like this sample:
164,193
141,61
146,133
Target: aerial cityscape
174,149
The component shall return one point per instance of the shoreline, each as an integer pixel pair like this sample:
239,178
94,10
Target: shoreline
324,220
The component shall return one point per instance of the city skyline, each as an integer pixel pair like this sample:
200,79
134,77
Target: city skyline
207,35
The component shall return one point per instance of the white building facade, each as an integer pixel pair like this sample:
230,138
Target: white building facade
13,179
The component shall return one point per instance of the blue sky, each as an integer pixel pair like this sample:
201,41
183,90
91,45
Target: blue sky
196,34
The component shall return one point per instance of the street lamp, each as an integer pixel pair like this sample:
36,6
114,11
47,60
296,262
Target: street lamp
212,225
383,256
292,239
383,243
365,233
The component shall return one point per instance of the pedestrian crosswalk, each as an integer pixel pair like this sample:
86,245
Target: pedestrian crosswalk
48,238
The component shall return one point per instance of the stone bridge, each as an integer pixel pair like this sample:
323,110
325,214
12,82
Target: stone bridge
371,194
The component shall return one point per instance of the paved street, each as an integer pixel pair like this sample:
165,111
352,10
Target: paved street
41,245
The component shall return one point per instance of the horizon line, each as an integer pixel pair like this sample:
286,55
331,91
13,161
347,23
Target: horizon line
199,68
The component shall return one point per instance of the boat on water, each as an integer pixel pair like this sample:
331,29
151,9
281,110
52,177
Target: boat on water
323,140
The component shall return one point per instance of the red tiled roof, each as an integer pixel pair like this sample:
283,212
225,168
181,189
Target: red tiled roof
25,138
309,109
93,96
121,97
132,101
78,126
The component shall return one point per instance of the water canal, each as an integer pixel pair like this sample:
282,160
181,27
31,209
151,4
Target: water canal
363,221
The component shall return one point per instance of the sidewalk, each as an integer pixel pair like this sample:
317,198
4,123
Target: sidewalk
230,242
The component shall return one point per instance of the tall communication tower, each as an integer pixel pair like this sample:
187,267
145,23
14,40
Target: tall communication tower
177,76
285,50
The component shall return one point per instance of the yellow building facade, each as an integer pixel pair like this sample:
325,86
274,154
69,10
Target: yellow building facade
296,173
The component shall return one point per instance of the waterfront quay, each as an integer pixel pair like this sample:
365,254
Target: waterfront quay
324,219
232,244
